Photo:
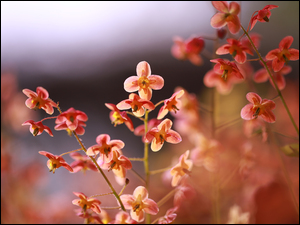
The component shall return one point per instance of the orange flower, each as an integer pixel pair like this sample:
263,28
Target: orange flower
87,203
37,128
55,161
171,104
262,15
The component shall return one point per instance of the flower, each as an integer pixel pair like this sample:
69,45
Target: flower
140,130
183,191
37,128
144,82
139,204
118,117
170,104
236,49
183,167
262,15
55,161
226,68
87,203
158,135
105,147
228,15
82,162
188,49
137,105
123,218
255,126
237,217
255,39
40,99
71,120
283,54
258,107
169,217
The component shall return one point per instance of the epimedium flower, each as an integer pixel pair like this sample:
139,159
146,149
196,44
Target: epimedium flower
117,117
137,105
123,218
169,217
37,128
139,204
82,162
236,216
158,135
258,107
105,147
182,168
227,15
236,49
71,120
87,203
263,15
39,99
171,104
144,82
140,130
283,54
225,68
188,49
55,161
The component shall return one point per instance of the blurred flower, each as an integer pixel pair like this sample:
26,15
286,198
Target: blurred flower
123,218
183,192
144,82
226,68
55,161
253,126
247,159
169,217
37,128
283,54
263,15
87,203
255,39
82,162
228,15
237,217
139,204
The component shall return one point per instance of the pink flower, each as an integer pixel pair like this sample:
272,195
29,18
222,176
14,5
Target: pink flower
255,126
188,49
87,203
82,162
140,130
158,135
184,191
169,217
139,204
258,107
183,167
55,161
228,15
144,82
71,120
226,68
37,128
283,54
118,117
40,99
171,104
105,147
255,39
137,105
123,218
236,49
262,15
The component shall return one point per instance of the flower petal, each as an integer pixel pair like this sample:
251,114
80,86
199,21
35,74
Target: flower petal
143,69
131,84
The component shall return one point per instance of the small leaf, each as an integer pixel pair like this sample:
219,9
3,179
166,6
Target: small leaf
291,150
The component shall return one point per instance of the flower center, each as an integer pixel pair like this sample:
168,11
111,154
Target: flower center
143,82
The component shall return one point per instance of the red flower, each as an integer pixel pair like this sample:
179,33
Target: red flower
40,99
228,15
226,68
283,54
82,162
118,117
37,128
258,107
55,161
262,15
87,203
71,120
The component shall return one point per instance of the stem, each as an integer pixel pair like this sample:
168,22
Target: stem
159,171
275,84
76,150
166,198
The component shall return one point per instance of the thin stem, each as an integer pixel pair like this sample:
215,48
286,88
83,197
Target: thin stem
166,198
76,150
157,104
136,159
115,207
130,113
48,118
99,195
138,175
228,123
159,171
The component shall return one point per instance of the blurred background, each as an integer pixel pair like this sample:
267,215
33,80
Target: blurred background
82,52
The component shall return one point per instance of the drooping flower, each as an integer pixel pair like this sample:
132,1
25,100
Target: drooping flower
183,192
140,130
237,217
87,203
37,128
82,162
139,204
117,117
182,168
123,218
169,217
71,120
158,135
283,54
227,15
225,68
255,126
137,105
39,99
262,15
188,49
55,161
144,82
236,49
258,107
171,104
105,147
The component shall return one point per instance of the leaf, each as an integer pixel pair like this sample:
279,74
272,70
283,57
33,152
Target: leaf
291,150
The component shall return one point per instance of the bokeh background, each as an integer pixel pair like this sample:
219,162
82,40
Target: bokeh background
82,52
